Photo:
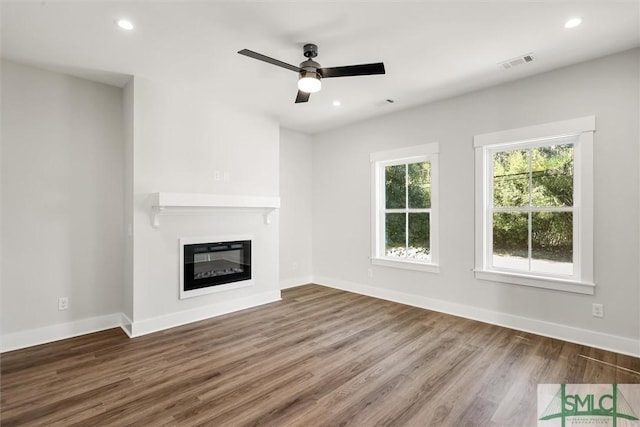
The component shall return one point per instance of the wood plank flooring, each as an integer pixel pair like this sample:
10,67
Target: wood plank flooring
320,357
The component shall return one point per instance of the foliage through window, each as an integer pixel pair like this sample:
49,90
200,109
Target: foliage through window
404,212
532,210
408,210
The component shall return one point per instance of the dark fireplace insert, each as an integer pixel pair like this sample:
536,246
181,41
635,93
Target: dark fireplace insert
218,263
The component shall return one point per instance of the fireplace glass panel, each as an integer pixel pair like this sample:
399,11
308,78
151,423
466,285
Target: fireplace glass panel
222,263
217,263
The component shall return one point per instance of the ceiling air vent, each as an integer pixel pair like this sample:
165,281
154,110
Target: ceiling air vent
518,60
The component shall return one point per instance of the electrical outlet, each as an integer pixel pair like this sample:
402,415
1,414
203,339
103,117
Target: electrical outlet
597,310
370,272
63,303
217,175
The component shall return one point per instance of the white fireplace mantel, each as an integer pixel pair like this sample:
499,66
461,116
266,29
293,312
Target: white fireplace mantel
189,202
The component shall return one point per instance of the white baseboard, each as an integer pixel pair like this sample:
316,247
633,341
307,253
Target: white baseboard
47,334
295,281
154,324
61,331
31,337
608,342
125,324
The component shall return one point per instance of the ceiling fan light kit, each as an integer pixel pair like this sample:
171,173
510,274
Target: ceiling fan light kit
311,73
309,82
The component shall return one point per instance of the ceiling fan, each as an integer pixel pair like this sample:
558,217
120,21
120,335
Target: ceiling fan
311,73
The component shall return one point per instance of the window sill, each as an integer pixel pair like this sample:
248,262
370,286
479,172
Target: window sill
537,282
407,265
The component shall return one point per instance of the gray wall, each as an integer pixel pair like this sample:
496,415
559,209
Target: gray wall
62,198
296,208
606,87
128,106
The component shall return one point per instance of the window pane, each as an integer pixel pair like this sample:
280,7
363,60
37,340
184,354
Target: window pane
552,242
395,186
511,178
511,240
395,234
419,237
552,175
420,185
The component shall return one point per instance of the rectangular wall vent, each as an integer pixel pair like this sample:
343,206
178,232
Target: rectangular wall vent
514,62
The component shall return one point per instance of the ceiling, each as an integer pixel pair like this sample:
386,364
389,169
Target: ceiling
431,49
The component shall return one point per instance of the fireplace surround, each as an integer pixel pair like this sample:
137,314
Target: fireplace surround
214,264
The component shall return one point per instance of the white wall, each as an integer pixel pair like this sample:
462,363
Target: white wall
607,88
128,103
296,208
180,140
62,200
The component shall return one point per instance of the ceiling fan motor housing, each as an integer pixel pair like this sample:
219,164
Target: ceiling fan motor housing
309,68
309,64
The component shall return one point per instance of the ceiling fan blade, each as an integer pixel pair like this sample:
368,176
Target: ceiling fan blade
302,97
352,70
261,57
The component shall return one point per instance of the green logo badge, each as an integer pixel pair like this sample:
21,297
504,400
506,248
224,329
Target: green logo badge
588,404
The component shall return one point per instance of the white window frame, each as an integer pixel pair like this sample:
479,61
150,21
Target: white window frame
379,160
582,281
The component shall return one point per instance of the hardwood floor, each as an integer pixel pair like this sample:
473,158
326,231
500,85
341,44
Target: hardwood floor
319,357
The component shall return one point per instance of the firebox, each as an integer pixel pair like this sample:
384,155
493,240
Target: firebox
210,264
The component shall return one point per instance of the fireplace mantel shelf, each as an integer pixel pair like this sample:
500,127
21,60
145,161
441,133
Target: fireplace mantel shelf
197,202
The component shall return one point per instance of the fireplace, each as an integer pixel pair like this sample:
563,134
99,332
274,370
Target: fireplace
209,265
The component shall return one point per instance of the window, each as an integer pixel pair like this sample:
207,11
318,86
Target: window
405,217
534,206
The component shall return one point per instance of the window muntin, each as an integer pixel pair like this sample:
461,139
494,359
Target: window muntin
532,211
404,208
407,212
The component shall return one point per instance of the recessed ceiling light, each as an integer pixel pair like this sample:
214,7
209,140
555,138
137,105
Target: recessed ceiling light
125,24
573,22
337,103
